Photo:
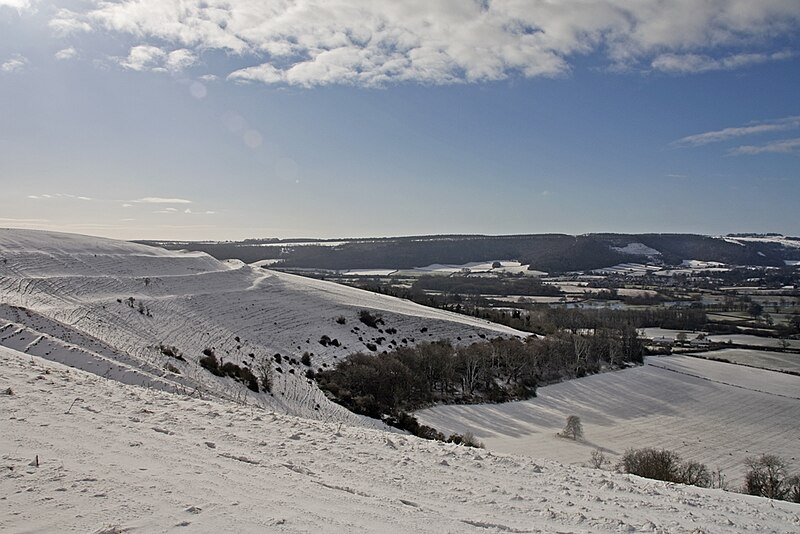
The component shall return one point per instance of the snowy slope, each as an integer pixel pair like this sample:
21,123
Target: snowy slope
711,412
127,458
68,298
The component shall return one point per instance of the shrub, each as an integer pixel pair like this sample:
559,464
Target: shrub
767,477
209,352
210,363
467,439
306,359
598,459
172,352
664,465
370,319
341,320
171,368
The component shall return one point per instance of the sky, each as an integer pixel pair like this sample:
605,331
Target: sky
212,119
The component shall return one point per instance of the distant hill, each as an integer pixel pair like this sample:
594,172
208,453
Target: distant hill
545,252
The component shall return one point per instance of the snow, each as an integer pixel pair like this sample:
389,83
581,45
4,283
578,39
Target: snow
715,413
368,272
129,458
780,240
778,361
755,341
700,264
64,297
506,266
638,249
116,443
630,269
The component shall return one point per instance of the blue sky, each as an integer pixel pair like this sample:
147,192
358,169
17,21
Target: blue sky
227,120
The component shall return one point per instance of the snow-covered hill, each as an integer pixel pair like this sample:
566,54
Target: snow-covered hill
108,306
712,412
125,458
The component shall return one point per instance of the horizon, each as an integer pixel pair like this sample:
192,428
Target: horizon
187,121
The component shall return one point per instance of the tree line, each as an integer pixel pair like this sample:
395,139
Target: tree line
387,386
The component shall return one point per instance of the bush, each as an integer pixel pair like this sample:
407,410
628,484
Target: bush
767,476
210,363
598,459
171,368
370,319
240,374
664,465
306,359
341,320
171,351
467,439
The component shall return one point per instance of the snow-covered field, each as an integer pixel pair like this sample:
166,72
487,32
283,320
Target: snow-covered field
765,359
127,458
755,341
712,412
67,298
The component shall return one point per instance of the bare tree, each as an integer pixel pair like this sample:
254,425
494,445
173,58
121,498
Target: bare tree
598,459
574,428
766,476
264,372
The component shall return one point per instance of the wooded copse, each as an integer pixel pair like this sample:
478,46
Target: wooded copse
386,386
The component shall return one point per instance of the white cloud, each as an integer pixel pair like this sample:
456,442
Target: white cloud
19,5
180,59
160,200
694,63
58,195
146,57
14,64
782,146
372,42
67,53
67,22
143,57
777,125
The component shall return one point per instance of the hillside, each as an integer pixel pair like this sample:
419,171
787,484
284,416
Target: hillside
112,307
715,413
126,459
545,252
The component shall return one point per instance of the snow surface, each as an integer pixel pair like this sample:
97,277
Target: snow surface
638,249
630,269
755,341
780,240
64,297
764,359
126,458
711,412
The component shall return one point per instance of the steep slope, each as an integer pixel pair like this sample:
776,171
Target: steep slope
125,459
109,307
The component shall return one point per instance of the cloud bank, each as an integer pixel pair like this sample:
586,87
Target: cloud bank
378,42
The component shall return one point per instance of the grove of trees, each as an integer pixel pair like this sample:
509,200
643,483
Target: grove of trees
387,386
